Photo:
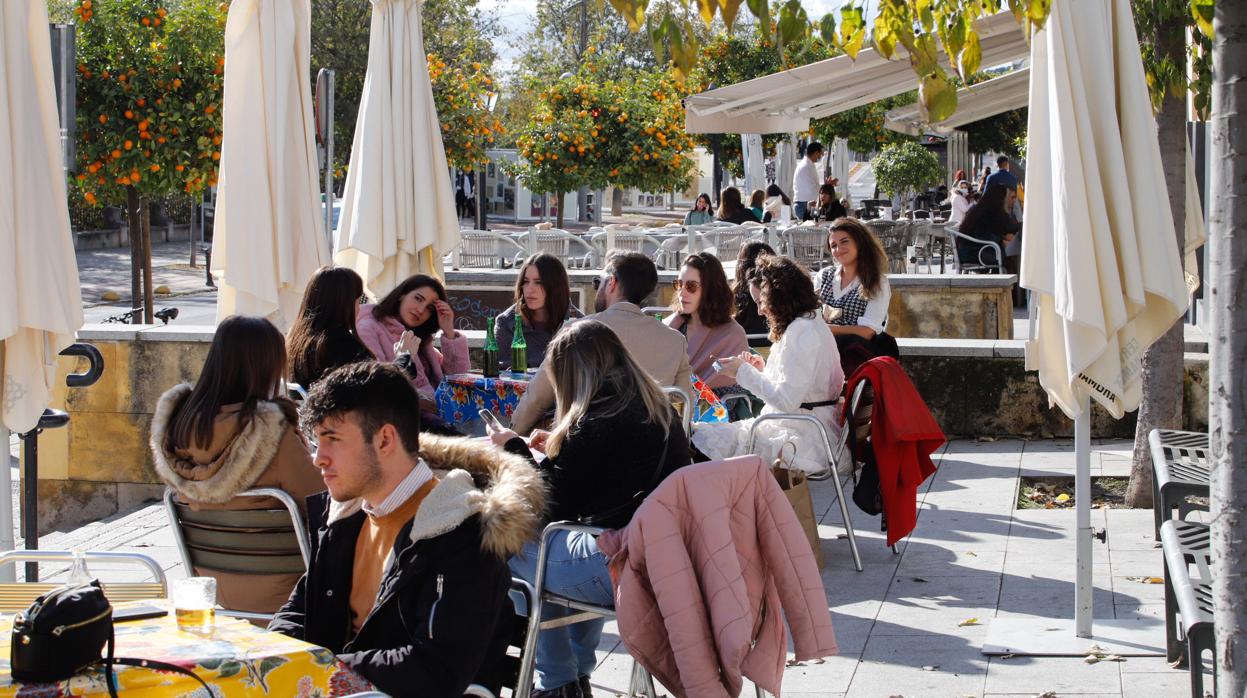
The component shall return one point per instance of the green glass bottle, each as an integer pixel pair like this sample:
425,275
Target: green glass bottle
519,348
490,367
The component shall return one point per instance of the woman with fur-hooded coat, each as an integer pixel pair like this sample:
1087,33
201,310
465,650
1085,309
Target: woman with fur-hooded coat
228,434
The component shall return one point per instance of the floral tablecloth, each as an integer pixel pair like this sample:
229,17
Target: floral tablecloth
461,395
237,659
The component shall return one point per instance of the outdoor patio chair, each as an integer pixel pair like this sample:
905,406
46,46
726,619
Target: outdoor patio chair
574,251
682,399
984,263
630,240
832,473
17,596
728,241
241,541
486,249
807,245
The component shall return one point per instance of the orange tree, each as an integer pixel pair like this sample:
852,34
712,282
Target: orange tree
585,131
149,106
462,94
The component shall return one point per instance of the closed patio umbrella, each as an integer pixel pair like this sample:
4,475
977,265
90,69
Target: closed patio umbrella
40,301
1099,252
269,226
398,210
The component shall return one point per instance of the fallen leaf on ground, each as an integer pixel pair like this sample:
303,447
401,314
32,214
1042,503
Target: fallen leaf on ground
1007,656
1091,659
1146,580
1047,694
919,579
931,667
972,554
1062,497
968,621
987,439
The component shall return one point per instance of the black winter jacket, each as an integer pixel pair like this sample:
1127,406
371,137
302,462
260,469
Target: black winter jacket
442,617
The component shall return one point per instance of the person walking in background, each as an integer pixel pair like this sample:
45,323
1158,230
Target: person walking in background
542,304
1004,175
324,337
731,210
805,181
232,431
702,211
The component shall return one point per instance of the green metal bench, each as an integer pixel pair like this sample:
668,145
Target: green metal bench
1188,594
1180,464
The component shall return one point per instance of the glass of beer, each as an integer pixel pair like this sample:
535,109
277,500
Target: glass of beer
194,604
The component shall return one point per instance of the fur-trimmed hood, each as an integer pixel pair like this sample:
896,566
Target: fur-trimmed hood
239,454
476,477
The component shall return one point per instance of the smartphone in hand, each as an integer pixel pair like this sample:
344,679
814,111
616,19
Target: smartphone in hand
491,421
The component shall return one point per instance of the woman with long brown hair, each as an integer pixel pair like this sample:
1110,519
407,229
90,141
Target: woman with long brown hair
802,373
746,314
323,337
232,431
732,210
542,304
702,312
856,287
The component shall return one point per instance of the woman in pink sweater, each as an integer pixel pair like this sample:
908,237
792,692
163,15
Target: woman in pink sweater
405,321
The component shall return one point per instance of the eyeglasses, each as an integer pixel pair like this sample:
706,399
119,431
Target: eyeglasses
692,286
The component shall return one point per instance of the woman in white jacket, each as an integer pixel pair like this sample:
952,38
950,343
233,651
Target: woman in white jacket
802,375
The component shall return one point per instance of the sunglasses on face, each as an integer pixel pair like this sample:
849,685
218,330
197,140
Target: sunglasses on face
692,286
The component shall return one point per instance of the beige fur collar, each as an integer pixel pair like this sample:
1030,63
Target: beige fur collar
475,478
237,468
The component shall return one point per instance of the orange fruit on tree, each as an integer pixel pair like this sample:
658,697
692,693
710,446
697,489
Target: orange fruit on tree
179,168
216,155
135,176
90,197
161,12
177,82
156,21
116,154
142,102
155,168
147,21
143,125
129,114
128,145
103,118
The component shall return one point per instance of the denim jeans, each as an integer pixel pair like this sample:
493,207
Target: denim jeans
799,209
575,568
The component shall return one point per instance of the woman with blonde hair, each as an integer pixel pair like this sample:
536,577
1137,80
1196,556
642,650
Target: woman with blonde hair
615,437
856,288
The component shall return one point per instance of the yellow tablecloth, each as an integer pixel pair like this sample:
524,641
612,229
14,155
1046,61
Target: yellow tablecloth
237,659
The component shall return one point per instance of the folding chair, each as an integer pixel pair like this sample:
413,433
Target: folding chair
17,596
245,541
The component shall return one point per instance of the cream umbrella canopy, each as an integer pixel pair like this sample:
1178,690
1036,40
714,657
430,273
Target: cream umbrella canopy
269,235
1098,250
398,211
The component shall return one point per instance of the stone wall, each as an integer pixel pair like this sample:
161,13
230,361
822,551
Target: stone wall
951,306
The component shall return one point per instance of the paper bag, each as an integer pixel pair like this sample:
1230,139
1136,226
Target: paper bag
797,488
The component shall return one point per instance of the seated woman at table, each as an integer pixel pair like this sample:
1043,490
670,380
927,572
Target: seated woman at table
746,313
323,336
404,322
802,374
773,206
233,431
615,437
702,312
731,210
856,287
541,286
829,207
990,219
756,199
702,211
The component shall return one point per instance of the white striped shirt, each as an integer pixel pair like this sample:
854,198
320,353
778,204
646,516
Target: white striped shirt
405,489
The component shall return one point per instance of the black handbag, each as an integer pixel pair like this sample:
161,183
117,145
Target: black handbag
65,631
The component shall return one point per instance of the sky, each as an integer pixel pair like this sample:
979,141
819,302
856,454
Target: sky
516,17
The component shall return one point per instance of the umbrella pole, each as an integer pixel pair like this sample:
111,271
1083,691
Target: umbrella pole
1083,588
8,573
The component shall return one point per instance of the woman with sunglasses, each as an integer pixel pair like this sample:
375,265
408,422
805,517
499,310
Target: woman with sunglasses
702,312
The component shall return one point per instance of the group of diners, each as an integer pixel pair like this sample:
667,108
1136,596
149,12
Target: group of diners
417,530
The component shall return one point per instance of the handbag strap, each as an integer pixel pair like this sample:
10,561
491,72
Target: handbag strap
111,660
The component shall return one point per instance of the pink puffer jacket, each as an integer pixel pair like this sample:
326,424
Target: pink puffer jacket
702,573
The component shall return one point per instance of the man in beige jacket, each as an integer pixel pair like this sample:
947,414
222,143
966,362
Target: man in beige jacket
628,279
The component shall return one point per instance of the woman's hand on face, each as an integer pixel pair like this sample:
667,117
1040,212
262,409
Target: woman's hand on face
445,319
537,440
500,438
408,343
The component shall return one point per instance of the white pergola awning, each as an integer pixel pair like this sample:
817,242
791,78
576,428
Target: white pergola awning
785,102
988,98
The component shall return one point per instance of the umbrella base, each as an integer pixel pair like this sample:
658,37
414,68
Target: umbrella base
1054,637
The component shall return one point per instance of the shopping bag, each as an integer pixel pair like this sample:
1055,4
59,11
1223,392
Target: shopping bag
797,488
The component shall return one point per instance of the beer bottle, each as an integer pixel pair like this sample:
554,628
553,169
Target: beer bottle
490,367
519,348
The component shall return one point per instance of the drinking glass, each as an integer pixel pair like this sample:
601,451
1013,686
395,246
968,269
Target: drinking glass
194,604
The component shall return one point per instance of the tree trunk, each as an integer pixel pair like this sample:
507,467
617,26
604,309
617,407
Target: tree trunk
1162,362
134,232
145,224
558,203
1227,392
617,202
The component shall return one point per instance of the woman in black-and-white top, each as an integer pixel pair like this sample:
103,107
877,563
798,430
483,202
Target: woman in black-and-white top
857,288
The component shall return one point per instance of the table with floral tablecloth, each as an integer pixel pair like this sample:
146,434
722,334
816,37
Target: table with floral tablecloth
236,659
461,395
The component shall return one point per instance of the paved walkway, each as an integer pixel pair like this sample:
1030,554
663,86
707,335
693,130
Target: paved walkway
900,621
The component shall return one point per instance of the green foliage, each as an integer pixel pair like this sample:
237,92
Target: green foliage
863,126
462,95
1166,22
998,134
149,97
903,168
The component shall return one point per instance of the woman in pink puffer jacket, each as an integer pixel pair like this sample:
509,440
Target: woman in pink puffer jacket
406,321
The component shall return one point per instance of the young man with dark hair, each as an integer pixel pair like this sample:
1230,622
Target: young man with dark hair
628,279
1003,174
805,182
408,577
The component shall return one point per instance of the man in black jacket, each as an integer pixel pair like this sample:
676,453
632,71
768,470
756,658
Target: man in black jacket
408,578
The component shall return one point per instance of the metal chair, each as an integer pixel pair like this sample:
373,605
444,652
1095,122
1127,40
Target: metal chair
17,596
807,245
511,670
984,263
1182,470
242,541
831,473
486,249
684,397
728,241
560,243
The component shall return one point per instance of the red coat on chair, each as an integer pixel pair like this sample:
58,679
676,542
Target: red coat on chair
904,435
